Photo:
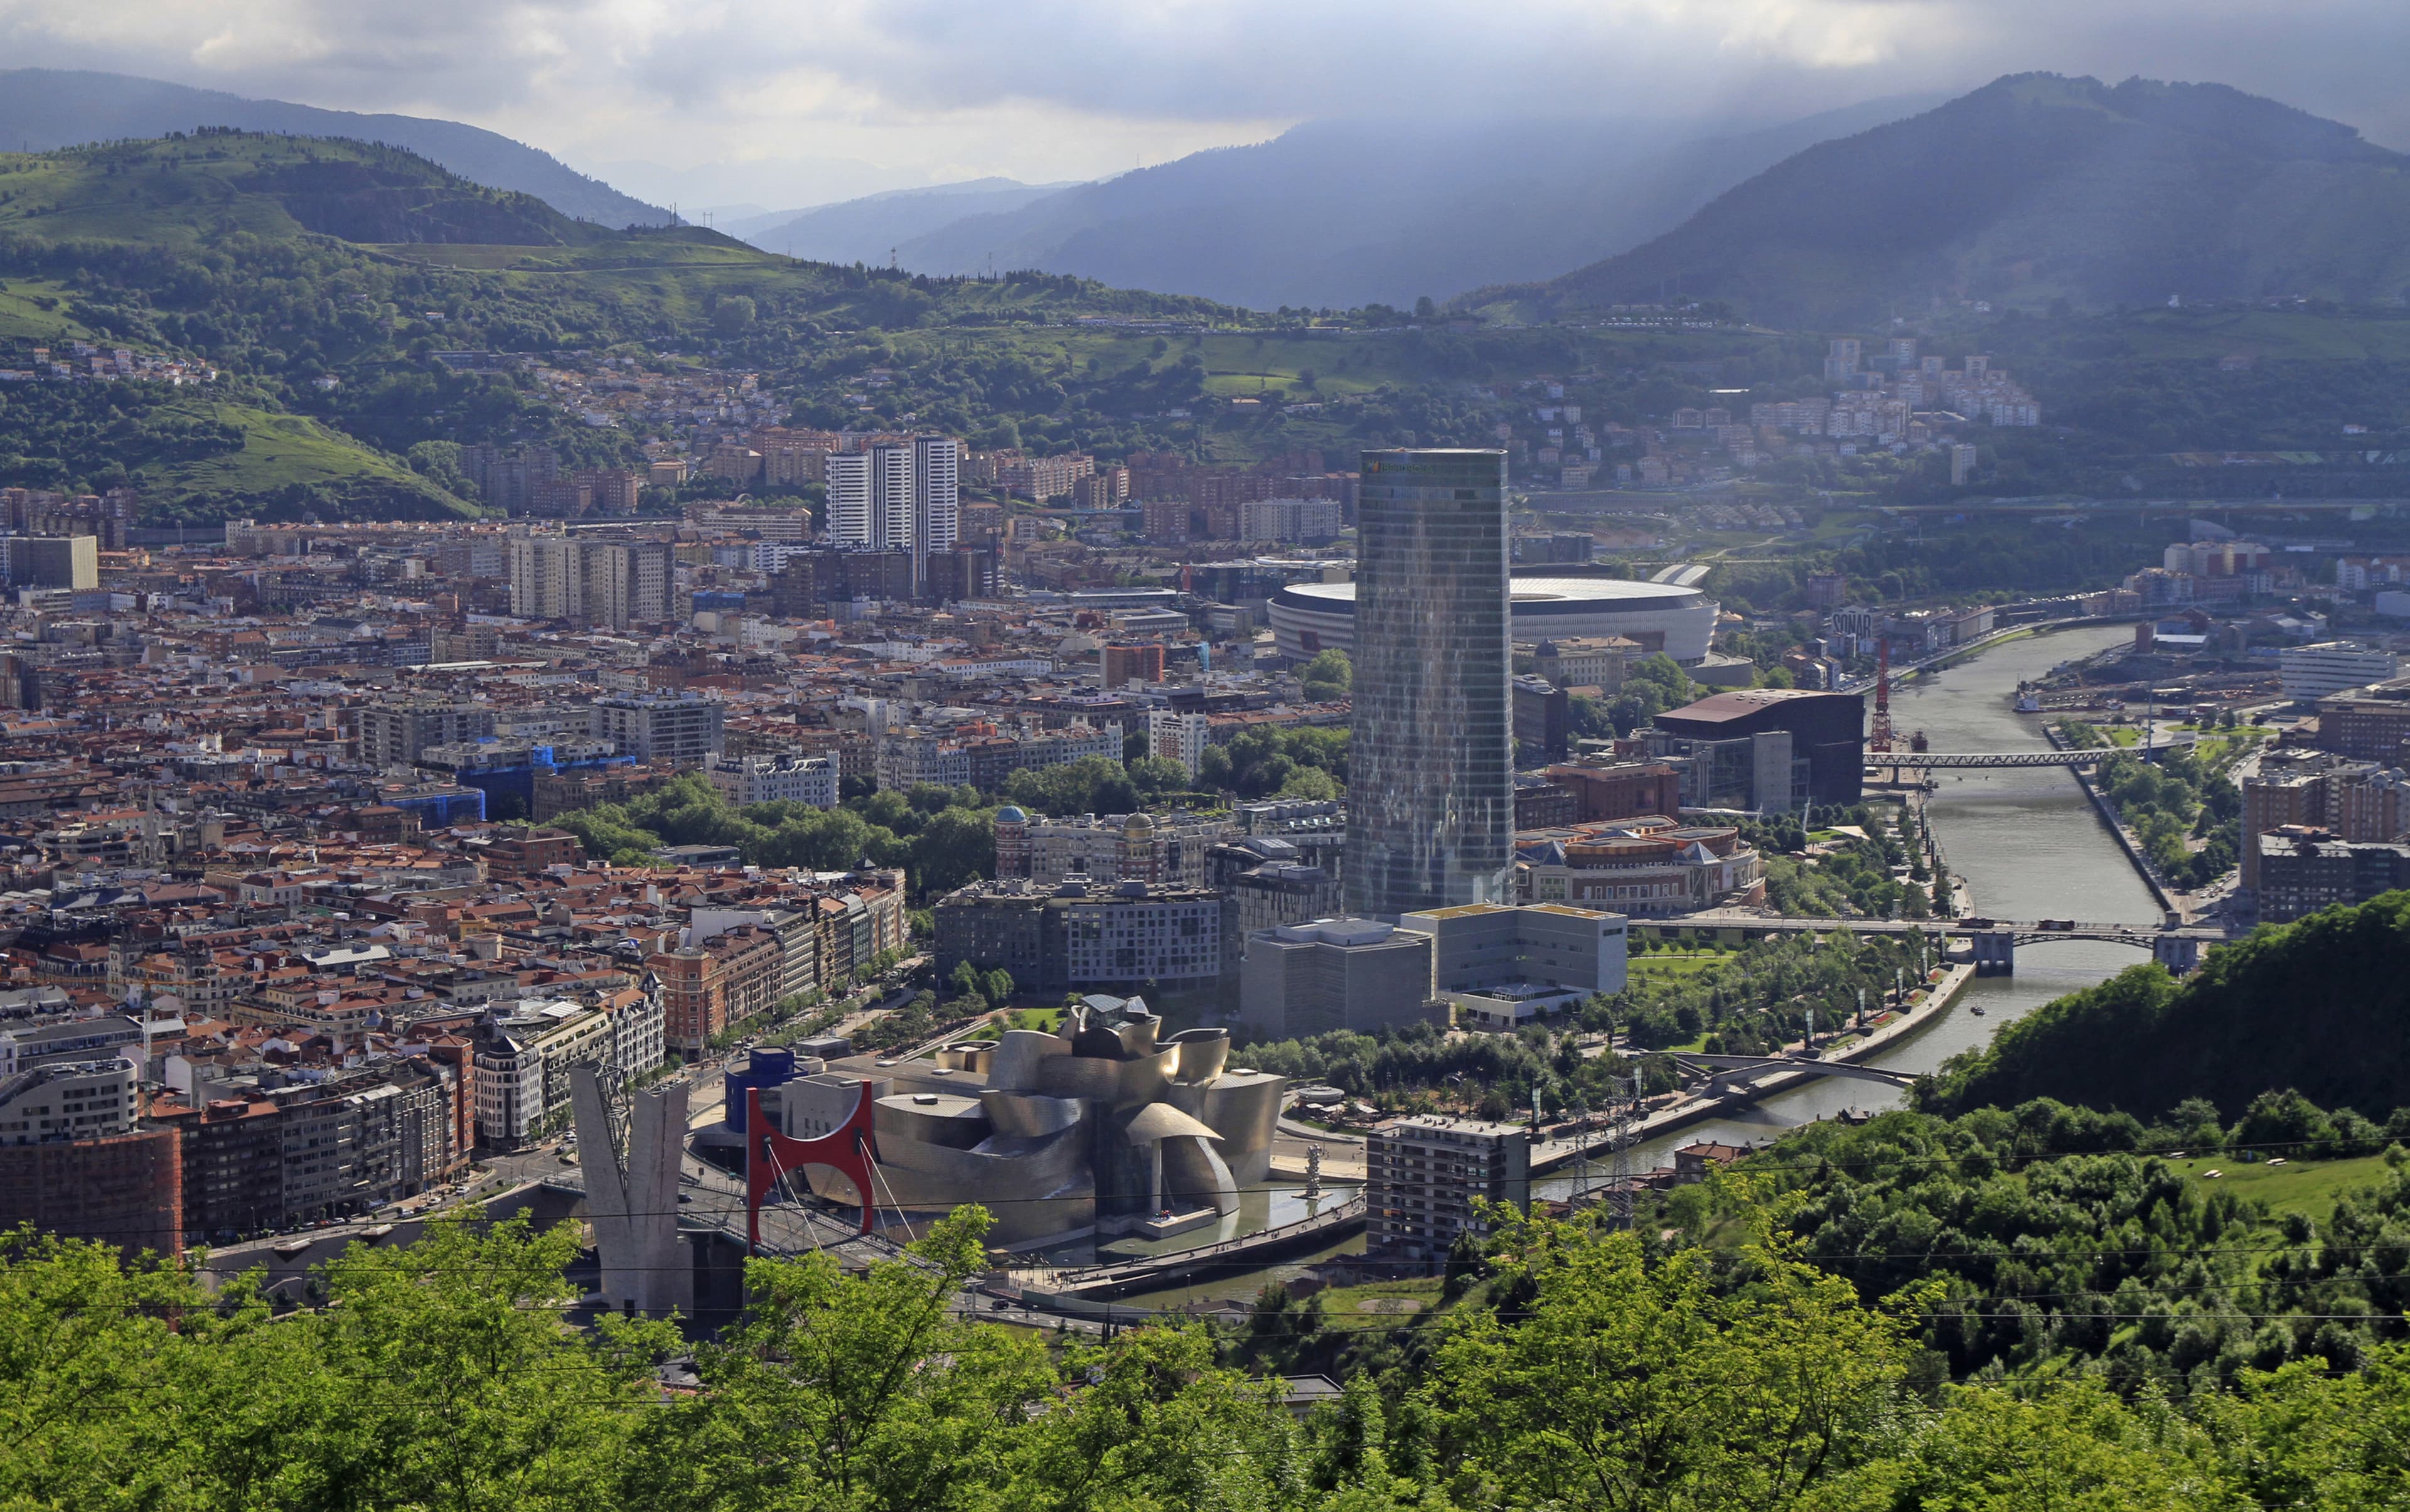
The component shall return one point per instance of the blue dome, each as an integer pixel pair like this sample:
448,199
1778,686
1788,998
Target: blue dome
1010,815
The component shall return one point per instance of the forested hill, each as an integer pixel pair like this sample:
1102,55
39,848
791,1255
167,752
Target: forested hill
2322,1006
2033,189
47,108
319,276
190,190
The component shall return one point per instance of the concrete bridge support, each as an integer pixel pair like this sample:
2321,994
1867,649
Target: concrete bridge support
633,1206
2179,953
1996,953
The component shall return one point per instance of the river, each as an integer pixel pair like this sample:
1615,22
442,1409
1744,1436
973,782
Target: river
2027,842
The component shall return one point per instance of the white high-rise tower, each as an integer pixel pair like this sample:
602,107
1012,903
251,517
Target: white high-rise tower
890,496
848,500
937,502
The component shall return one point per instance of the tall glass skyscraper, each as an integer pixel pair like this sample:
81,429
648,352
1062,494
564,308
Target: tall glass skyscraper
1431,784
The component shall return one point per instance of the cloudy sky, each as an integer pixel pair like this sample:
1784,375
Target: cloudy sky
786,102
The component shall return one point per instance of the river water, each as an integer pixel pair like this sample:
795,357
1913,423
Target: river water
2030,844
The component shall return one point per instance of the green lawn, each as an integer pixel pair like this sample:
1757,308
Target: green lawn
2306,1187
1670,963
1381,1304
1045,1019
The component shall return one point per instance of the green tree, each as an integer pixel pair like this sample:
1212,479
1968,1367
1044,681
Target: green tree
446,1378
1328,675
956,846
733,316
841,1392
1621,1381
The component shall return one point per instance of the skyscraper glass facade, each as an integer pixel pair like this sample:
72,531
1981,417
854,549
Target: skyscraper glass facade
1431,793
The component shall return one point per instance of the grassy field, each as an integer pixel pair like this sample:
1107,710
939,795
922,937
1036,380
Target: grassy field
1044,1019
1381,1304
1672,964
2308,1188
33,309
282,449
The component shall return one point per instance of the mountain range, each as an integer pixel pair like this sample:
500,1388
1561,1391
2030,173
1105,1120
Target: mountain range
872,228
2033,189
1334,213
42,110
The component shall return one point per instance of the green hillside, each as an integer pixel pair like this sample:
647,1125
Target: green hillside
285,261
191,191
2322,1006
2034,189
197,455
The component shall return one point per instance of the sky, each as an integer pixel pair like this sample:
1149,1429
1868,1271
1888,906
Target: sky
792,102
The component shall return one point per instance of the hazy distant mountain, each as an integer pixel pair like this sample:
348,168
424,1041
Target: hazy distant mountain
867,230
1341,212
2033,188
44,108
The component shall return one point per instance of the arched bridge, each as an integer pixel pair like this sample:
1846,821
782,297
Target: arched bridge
1995,941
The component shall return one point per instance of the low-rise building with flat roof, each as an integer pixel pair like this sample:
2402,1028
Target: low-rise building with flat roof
1328,974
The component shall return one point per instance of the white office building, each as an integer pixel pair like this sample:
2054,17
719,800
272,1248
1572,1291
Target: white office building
1503,965
2310,672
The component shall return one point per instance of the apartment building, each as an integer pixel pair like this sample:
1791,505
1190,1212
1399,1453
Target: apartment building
1106,847
1075,935
2356,801
983,756
396,734
524,1058
1179,735
709,986
1423,1173
747,780
122,1188
687,730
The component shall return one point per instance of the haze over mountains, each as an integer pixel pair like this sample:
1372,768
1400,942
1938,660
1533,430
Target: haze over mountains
1338,212
869,229
44,108
2031,189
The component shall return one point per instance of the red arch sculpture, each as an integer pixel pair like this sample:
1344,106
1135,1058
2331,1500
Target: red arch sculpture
849,1149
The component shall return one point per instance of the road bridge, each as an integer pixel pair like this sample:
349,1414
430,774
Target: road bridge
1994,940
1937,760
1725,1072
